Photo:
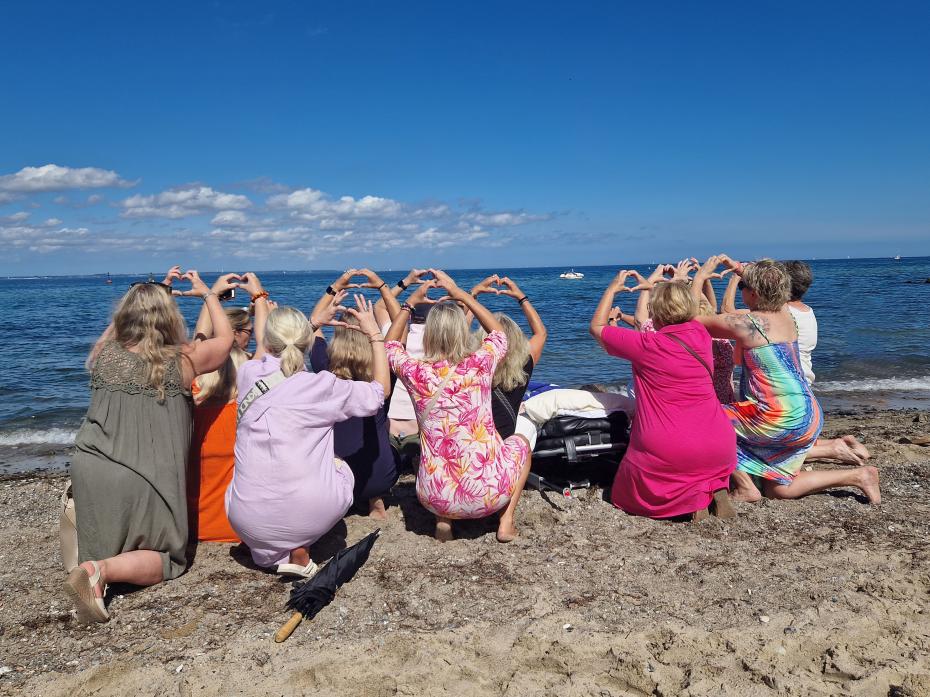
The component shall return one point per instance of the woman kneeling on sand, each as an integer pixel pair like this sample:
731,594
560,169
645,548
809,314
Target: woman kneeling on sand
682,447
778,418
466,469
131,451
288,488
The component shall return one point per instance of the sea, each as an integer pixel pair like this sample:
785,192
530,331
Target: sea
873,350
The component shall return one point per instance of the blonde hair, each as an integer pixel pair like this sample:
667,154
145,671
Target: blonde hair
148,318
704,308
672,303
509,373
770,282
446,335
288,336
220,384
350,353
238,317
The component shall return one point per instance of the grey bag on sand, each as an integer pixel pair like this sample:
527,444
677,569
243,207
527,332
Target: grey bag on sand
68,530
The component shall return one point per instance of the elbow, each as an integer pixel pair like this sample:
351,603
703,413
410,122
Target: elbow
595,330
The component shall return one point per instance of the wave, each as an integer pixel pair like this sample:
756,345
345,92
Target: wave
31,436
875,385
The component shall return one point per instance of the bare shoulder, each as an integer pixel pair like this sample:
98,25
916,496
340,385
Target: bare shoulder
748,326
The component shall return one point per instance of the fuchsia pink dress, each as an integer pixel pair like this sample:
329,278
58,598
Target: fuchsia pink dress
466,469
682,445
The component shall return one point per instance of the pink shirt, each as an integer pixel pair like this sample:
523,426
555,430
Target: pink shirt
682,445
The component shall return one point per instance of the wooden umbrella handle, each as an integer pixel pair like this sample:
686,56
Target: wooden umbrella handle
288,628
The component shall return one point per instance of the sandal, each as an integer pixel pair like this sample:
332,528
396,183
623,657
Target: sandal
80,589
297,570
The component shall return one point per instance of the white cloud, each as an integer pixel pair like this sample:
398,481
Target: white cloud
52,222
94,199
230,219
182,203
312,204
505,219
15,218
56,178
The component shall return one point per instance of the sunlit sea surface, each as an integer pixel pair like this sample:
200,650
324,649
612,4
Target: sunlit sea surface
874,344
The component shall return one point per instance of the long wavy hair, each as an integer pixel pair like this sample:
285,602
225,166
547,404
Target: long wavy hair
148,318
350,353
446,335
288,336
509,374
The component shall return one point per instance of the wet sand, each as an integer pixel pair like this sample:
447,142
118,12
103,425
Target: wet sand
822,596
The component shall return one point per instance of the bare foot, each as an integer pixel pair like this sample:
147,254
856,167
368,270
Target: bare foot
376,509
507,531
868,482
857,447
444,531
300,556
700,515
743,489
844,453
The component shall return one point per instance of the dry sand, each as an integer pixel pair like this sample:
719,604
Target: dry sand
823,596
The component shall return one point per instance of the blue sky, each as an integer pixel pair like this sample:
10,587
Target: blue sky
303,135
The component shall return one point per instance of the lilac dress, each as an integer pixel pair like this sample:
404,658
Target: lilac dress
287,489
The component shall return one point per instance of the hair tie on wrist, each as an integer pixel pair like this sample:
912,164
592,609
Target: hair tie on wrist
402,285
330,291
522,300
383,283
407,307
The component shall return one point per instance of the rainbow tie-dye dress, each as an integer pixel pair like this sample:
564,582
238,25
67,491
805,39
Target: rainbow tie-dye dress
778,418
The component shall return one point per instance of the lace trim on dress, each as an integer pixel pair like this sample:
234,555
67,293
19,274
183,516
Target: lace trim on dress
119,370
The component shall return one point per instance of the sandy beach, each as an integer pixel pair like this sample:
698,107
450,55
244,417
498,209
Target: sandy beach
822,596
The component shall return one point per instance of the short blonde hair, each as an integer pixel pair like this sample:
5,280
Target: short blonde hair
672,303
288,336
220,384
350,353
770,281
446,335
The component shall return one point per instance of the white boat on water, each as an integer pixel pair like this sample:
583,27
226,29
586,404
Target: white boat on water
572,275
897,257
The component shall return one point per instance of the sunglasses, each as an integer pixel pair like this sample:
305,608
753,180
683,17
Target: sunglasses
247,330
152,283
742,286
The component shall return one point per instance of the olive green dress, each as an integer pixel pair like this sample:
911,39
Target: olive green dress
128,472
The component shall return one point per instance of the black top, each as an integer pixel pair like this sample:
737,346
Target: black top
362,441
505,420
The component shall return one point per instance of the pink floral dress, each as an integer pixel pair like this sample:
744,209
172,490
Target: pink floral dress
466,469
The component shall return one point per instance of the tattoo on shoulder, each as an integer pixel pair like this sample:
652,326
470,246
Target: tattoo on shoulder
745,325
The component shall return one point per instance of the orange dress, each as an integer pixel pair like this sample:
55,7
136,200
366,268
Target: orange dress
210,469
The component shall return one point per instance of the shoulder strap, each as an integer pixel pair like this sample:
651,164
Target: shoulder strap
502,398
692,352
759,329
258,389
432,402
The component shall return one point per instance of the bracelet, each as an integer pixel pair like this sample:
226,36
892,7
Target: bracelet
330,291
383,283
208,294
523,300
376,341
259,296
402,285
313,327
407,307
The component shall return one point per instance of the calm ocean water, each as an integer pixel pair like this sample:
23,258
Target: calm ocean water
874,335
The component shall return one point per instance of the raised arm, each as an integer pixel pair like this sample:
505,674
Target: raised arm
538,340
261,305
729,296
388,299
602,313
209,354
645,286
322,306
399,324
382,312
204,327
367,324
484,316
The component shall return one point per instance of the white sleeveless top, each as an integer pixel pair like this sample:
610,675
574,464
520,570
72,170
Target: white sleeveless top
807,338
